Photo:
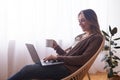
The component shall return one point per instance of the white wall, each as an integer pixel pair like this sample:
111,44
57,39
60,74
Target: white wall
114,18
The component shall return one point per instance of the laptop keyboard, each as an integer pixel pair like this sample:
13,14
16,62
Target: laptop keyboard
51,61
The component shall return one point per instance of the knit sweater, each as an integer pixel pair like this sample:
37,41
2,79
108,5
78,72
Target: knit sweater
80,53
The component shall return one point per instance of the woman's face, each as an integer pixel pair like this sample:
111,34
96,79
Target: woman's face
85,25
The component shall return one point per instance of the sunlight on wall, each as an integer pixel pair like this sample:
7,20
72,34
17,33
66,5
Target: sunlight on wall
36,19
27,19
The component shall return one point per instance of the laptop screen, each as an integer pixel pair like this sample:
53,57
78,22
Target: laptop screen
33,53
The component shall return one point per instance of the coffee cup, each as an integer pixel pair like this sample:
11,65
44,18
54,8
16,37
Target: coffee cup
49,42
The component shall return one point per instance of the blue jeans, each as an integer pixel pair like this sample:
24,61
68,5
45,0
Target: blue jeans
37,71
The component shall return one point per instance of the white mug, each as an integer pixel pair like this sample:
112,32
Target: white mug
49,42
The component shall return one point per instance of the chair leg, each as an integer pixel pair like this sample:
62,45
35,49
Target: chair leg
88,76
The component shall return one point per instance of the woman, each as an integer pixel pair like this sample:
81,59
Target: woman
78,54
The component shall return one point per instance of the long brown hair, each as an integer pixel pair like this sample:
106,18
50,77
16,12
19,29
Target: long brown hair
91,16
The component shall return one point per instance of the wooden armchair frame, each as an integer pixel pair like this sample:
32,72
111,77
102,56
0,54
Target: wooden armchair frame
82,71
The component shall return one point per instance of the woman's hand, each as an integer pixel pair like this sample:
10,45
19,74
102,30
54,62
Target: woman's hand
51,57
54,44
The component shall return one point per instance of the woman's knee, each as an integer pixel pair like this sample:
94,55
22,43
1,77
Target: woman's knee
30,68
26,69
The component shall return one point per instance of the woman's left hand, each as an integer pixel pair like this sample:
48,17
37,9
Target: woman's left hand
51,57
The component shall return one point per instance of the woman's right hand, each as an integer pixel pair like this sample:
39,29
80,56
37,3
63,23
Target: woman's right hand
54,44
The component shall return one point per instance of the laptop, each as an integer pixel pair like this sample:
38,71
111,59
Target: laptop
37,60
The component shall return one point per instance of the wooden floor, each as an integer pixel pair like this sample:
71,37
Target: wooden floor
97,76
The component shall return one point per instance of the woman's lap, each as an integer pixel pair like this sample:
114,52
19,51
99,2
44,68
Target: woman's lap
37,71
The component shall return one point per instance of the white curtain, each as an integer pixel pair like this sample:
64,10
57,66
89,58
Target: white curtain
34,21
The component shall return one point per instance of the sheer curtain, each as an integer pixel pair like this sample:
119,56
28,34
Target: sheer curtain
34,21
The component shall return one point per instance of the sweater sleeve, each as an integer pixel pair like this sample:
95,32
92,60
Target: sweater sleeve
93,46
59,50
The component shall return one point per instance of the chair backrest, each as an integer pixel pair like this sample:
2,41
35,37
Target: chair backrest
82,71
